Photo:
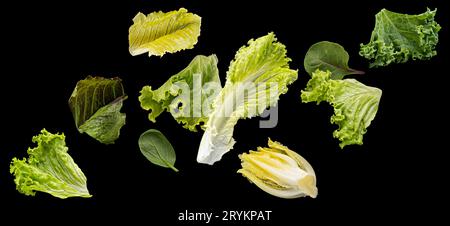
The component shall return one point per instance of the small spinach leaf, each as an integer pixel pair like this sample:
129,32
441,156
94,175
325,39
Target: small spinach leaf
157,149
328,56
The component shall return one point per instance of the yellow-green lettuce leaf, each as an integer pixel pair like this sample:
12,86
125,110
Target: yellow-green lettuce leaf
256,78
355,104
159,33
49,168
187,95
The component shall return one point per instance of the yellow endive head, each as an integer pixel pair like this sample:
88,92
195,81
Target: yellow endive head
279,171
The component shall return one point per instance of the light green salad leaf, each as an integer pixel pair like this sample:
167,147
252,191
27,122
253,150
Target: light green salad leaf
49,168
256,78
188,95
355,104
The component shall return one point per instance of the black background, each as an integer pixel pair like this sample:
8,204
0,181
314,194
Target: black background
397,174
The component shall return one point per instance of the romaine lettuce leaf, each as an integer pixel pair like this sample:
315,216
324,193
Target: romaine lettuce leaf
95,104
256,78
398,37
49,168
188,95
159,33
355,104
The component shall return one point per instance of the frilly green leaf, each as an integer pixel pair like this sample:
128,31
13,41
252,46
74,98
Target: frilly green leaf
397,38
49,168
188,95
355,104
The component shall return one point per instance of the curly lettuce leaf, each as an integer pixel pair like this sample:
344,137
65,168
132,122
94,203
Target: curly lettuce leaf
398,37
256,78
159,33
329,56
95,104
188,95
49,168
355,104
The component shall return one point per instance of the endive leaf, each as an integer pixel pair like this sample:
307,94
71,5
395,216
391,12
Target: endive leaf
256,78
95,104
159,33
188,95
279,171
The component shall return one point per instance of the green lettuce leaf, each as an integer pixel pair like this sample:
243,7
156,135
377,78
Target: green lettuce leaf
328,56
355,104
159,33
397,38
256,78
95,104
188,95
49,168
